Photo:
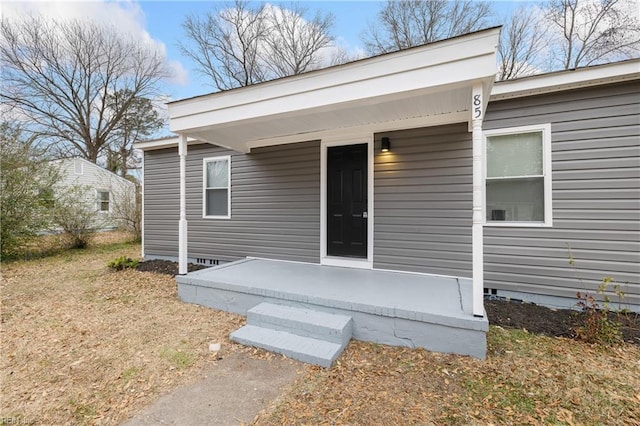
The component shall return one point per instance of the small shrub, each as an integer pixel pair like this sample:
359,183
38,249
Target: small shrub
122,262
598,325
75,213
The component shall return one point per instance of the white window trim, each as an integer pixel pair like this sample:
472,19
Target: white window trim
204,187
345,261
546,171
76,162
99,200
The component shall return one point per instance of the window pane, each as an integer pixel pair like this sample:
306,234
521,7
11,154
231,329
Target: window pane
514,155
217,176
103,201
515,200
217,202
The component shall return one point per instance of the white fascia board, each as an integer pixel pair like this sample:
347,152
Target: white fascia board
152,144
389,85
156,143
464,58
566,80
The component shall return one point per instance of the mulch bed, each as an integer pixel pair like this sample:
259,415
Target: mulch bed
552,322
165,267
508,314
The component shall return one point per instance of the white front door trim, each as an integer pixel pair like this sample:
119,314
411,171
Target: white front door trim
338,140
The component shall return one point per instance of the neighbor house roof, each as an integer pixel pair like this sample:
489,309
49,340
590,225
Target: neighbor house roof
95,166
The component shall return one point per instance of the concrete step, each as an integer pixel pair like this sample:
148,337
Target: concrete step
301,348
304,322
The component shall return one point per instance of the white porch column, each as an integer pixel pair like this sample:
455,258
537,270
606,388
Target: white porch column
477,114
182,226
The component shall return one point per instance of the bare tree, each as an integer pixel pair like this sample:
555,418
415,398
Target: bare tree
59,75
126,208
594,31
239,45
340,55
406,23
522,42
139,121
225,43
293,42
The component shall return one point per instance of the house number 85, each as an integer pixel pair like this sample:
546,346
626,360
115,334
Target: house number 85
477,108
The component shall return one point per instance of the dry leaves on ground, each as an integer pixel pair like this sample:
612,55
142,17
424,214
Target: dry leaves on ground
527,379
84,344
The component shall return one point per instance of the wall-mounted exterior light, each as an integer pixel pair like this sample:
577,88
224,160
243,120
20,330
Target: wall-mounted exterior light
386,145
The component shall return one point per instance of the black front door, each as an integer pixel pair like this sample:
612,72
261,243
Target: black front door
347,201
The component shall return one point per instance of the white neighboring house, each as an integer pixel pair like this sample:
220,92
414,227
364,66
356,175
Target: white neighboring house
104,187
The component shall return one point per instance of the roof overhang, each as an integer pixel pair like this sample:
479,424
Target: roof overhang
566,80
425,85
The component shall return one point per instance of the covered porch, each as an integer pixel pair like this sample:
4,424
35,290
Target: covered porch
346,106
394,308
437,84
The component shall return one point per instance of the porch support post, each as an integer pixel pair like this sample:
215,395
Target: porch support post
182,226
477,114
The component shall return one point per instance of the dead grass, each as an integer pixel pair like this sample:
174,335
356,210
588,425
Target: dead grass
85,345
49,245
527,379
82,344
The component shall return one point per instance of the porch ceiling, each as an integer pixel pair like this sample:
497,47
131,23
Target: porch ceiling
418,86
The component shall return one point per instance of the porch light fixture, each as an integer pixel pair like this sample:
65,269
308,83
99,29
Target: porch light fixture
386,144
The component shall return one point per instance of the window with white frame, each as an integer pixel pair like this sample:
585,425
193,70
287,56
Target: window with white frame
518,176
103,201
77,166
217,187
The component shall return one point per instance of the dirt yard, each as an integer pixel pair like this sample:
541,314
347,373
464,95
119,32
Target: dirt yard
82,344
526,379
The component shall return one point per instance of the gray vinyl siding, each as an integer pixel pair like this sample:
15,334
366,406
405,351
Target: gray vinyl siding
596,196
423,200
161,202
275,204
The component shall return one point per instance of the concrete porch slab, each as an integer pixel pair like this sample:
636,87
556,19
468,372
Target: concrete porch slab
395,308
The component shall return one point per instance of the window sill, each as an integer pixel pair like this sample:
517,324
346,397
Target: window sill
519,224
216,217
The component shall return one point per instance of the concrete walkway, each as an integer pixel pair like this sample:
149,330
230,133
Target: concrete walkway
231,393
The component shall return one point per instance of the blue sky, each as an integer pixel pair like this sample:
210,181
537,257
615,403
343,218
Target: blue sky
159,23
163,20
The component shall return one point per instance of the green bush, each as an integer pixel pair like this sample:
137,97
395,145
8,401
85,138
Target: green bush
122,262
26,182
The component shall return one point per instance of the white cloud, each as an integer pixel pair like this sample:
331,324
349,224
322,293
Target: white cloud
178,74
127,16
